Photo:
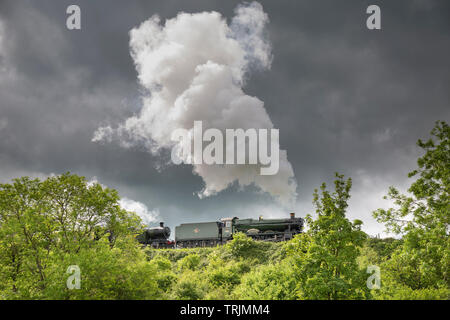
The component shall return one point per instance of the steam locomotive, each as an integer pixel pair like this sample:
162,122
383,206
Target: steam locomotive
209,234
157,237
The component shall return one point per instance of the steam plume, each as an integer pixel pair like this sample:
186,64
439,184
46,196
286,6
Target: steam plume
193,67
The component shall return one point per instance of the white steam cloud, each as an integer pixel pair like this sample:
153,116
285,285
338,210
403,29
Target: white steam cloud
147,216
193,67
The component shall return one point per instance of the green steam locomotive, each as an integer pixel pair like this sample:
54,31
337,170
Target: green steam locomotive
209,234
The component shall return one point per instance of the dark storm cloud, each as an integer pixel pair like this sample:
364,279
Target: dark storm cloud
345,98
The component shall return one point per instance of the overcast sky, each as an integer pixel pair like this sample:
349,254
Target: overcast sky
345,99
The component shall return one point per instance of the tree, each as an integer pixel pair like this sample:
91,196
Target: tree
422,217
325,256
62,215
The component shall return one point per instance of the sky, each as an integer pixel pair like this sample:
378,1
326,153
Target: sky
344,98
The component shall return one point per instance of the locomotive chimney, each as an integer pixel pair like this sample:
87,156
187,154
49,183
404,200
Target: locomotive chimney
161,224
292,215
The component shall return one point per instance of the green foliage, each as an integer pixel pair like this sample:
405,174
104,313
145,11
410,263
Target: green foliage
375,251
406,293
164,275
226,274
325,256
118,273
242,246
384,247
175,255
268,282
45,226
190,262
190,285
423,261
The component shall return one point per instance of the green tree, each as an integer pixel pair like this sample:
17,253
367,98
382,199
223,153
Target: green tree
41,220
422,217
325,256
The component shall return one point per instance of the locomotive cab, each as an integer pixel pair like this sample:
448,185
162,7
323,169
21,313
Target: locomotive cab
227,227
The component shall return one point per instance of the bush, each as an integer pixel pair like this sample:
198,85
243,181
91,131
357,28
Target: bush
118,273
190,262
190,286
228,275
406,293
164,276
244,247
269,282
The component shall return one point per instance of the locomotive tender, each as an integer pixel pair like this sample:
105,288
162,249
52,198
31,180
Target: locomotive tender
209,234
